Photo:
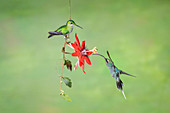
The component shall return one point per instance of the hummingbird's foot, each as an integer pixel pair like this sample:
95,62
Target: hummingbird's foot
68,37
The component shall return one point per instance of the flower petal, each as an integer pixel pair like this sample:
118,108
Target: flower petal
81,61
76,53
74,46
77,40
70,46
77,63
87,60
78,47
83,45
83,69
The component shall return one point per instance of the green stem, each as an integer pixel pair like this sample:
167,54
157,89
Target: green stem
61,76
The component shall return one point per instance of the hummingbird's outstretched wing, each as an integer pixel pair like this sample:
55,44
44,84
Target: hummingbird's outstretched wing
110,58
122,72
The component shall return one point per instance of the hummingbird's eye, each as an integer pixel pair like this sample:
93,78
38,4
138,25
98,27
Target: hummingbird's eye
71,23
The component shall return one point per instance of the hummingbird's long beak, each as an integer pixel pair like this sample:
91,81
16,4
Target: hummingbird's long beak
79,26
101,56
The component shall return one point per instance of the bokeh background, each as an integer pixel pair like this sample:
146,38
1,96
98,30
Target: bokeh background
136,33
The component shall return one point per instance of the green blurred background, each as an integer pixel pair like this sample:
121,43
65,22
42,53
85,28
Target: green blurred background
136,33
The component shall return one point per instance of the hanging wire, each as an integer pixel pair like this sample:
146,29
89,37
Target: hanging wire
69,11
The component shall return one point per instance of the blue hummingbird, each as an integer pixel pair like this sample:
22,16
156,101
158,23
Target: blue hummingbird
115,72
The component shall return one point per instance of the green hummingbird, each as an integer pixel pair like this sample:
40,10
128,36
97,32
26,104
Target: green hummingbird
115,72
65,29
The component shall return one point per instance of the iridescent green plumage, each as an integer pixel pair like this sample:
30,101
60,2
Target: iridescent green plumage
65,29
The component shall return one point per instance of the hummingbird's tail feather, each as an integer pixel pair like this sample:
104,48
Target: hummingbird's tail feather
123,94
120,85
122,72
50,36
54,33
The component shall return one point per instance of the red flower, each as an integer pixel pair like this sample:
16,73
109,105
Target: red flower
81,53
